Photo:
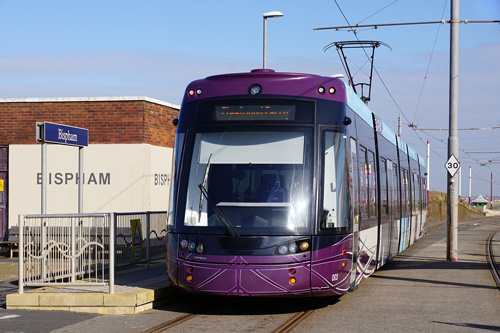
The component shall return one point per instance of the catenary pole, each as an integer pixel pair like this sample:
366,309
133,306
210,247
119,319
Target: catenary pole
428,176
452,216
470,185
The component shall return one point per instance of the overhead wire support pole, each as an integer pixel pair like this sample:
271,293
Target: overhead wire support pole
428,175
452,216
491,196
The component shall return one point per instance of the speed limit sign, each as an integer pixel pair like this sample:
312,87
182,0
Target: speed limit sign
452,165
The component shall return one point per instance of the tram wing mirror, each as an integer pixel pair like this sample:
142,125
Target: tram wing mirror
175,122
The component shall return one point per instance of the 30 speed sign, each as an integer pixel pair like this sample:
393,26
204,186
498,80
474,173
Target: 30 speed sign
452,165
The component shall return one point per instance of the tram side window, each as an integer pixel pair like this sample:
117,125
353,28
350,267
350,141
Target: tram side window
335,190
417,192
363,183
384,193
372,184
413,192
396,189
179,143
405,194
354,174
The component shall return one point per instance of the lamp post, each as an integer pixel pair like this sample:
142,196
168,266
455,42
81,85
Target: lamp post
266,16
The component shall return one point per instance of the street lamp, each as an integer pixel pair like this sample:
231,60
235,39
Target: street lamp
266,16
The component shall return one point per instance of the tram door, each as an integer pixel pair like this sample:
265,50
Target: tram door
354,187
3,192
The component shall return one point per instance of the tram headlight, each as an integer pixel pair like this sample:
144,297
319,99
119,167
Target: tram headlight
184,244
192,246
255,89
292,247
200,248
283,249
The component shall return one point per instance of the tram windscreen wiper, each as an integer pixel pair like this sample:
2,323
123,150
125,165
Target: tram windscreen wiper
202,186
205,193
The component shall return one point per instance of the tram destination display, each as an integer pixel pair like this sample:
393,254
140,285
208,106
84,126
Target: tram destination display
254,112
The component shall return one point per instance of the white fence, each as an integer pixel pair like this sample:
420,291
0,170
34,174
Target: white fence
66,249
84,249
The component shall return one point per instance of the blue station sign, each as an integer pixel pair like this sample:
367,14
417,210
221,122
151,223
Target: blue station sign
66,135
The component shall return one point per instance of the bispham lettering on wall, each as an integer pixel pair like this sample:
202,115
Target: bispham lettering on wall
60,178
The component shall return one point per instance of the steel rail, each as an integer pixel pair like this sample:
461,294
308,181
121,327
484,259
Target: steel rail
491,259
171,323
287,326
293,322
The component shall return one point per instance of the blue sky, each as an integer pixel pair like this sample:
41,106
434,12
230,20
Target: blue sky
155,48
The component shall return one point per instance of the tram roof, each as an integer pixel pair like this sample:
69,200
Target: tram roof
412,153
357,105
271,83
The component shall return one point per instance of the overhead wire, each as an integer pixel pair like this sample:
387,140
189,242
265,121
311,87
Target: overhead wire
397,105
429,63
348,23
378,11
375,69
380,77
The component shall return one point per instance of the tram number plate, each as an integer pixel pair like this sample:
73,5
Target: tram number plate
335,277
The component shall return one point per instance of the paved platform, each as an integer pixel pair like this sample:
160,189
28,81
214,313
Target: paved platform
421,291
137,289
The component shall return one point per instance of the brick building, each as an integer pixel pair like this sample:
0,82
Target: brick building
126,165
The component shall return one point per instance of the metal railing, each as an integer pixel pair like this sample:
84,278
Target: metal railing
84,249
153,228
62,249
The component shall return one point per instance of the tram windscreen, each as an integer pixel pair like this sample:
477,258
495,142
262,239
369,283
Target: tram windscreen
254,112
258,182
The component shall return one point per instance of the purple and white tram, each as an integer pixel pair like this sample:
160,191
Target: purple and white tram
286,185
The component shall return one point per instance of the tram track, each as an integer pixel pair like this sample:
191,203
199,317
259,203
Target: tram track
293,322
495,269
170,323
285,327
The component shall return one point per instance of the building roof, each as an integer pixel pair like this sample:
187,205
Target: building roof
480,199
88,99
